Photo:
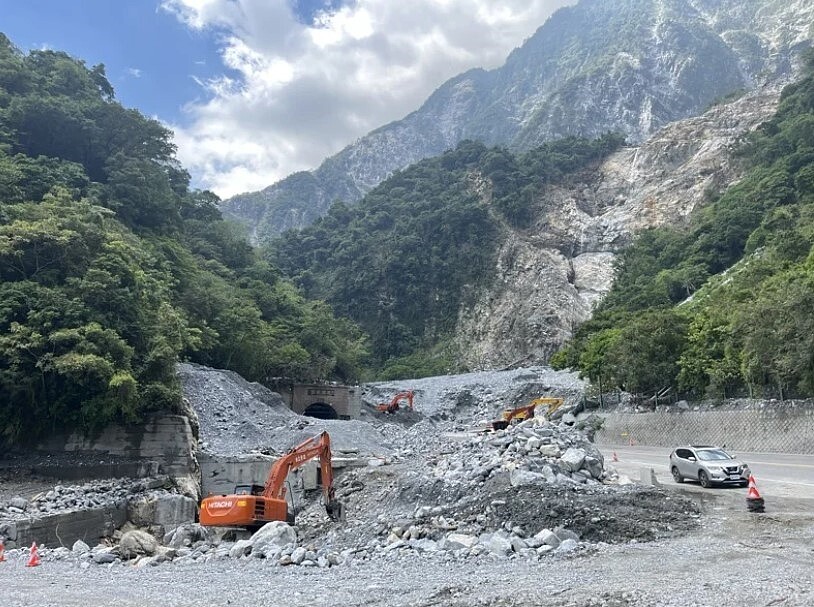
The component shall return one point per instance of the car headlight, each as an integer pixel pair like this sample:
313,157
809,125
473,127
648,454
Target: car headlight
714,468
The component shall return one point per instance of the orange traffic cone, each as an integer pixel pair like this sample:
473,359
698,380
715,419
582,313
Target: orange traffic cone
754,502
34,559
2,552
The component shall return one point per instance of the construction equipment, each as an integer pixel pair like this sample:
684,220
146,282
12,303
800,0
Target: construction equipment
252,506
527,411
393,405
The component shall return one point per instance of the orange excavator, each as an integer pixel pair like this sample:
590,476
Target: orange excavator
393,405
252,506
527,411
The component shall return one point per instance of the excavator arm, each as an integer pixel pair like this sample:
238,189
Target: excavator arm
253,509
319,445
393,405
527,411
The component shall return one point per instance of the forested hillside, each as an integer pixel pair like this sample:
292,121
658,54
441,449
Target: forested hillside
724,306
112,268
423,243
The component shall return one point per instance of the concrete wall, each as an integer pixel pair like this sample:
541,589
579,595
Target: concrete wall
90,526
164,444
220,475
784,428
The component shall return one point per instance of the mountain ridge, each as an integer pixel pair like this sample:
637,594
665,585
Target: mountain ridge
688,54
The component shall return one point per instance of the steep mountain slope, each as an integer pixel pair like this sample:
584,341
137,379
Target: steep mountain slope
630,66
549,277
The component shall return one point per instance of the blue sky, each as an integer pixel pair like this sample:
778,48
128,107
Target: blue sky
151,58
257,89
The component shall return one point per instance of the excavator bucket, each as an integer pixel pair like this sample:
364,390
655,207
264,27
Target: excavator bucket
336,510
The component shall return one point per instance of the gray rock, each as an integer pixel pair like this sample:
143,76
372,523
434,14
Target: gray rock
548,538
136,543
80,547
298,556
457,541
566,534
241,548
520,478
568,546
273,535
573,459
19,502
103,557
499,545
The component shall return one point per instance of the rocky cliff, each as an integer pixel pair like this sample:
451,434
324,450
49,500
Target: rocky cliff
551,275
631,66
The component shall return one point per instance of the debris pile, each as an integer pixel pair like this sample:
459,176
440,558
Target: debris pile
70,498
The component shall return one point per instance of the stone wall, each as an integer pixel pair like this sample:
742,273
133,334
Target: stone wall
782,428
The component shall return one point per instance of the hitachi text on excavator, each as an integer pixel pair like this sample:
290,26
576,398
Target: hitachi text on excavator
252,506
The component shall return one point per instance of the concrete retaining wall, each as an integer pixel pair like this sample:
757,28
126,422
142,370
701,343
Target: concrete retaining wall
782,429
163,444
90,526
220,475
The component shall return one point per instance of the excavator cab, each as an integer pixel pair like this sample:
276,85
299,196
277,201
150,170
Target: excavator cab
249,490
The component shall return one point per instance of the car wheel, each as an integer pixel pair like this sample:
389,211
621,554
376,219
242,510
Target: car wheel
677,475
703,478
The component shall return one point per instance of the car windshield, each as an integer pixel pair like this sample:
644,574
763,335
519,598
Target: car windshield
709,455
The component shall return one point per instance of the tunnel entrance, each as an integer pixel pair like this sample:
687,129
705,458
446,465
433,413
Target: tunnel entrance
321,411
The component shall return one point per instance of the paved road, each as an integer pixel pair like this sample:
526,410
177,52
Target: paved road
781,474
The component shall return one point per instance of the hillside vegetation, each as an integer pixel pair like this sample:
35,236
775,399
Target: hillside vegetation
724,306
419,246
112,268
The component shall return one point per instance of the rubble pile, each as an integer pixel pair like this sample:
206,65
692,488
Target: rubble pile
527,491
70,498
534,452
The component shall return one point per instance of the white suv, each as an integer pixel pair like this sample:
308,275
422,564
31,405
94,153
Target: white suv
708,465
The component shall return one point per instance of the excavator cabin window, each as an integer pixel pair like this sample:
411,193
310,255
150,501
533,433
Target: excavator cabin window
249,490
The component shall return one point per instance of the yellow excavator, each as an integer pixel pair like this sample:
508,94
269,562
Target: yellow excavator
527,411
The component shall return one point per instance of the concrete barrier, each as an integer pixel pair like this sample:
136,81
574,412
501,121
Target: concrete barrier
778,428
89,525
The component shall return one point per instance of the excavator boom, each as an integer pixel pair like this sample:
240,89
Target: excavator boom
527,411
393,405
256,509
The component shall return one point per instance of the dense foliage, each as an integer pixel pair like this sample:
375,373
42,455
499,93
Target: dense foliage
723,307
111,268
421,245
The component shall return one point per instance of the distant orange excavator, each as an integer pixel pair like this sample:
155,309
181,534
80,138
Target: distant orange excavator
526,411
394,406
252,506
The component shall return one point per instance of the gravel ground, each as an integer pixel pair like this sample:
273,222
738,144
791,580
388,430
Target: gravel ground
737,559
641,546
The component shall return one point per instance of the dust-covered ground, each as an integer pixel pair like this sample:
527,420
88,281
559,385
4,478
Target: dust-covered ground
735,559
447,515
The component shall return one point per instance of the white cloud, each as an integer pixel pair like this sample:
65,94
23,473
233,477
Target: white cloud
305,92
134,72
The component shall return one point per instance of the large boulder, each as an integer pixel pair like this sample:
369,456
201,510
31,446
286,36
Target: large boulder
167,510
137,543
187,535
273,536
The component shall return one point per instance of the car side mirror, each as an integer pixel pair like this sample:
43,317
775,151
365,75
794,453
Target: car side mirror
691,458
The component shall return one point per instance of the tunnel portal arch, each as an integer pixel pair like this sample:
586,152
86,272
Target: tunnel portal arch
321,411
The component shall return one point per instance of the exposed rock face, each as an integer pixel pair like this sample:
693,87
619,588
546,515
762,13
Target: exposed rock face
630,66
550,277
